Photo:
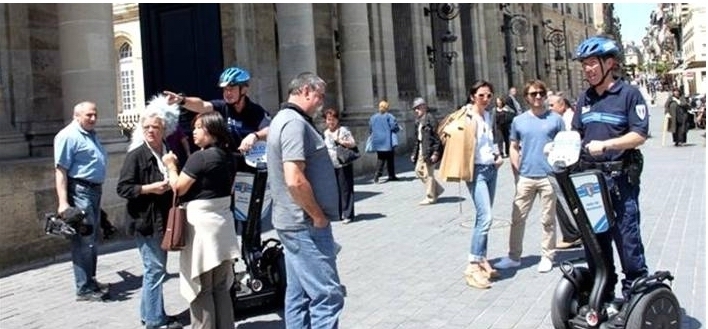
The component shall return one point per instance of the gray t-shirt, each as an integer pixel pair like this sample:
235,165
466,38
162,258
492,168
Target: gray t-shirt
292,138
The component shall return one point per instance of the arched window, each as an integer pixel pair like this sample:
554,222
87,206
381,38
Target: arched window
127,77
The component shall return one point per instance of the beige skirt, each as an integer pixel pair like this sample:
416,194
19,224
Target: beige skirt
210,240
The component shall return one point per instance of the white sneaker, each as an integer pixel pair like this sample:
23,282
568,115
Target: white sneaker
545,265
506,263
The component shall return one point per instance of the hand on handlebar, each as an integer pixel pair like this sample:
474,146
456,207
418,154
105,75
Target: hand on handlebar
596,148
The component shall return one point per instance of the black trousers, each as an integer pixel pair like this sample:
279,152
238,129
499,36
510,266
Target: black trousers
385,158
345,181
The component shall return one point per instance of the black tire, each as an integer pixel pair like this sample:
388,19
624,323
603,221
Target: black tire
566,301
658,309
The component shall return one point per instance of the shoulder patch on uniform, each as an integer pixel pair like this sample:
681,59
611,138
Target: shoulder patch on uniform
641,110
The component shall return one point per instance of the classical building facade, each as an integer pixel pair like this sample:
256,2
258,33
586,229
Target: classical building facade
55,55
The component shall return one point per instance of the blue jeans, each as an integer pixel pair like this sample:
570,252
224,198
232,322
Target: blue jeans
314,298
481,188
152,304
84,252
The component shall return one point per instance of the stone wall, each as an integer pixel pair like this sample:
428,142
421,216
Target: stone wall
26,194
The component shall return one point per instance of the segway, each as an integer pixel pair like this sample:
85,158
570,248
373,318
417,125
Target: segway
579,298
262,283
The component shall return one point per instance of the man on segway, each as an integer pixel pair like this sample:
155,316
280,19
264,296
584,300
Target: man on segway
612,120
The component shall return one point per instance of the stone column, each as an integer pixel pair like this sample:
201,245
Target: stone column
12,142
88,64
384,54
357,85
296,42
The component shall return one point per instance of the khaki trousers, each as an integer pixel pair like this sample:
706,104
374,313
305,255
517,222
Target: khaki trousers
425,172
213,307
526,191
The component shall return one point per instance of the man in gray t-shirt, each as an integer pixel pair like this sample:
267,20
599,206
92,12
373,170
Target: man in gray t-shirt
305,200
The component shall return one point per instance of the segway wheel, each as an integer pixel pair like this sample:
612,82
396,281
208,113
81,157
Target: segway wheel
567,301
658,309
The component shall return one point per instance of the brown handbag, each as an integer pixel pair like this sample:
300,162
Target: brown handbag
174,230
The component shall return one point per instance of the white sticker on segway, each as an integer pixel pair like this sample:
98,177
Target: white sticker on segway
565,150
257,154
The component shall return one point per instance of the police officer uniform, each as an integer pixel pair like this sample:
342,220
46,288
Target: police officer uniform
619,110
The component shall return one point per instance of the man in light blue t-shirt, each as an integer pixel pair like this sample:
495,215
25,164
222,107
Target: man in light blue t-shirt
533,129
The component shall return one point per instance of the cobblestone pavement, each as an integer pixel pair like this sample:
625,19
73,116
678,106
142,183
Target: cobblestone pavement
402,263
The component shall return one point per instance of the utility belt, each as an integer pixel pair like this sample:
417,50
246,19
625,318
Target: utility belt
632,164
84,182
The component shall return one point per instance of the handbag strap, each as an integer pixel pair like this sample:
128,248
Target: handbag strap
174,198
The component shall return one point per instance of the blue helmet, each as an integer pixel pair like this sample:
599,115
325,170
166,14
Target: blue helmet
234,76
597,47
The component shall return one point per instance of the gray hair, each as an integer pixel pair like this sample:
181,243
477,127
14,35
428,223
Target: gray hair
157,108
305,79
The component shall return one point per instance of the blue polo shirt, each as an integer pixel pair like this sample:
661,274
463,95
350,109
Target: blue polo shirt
80,153
253,118
616,112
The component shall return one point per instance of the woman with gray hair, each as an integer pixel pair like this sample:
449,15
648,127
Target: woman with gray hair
144,183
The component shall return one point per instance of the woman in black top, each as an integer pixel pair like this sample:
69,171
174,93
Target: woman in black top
206,262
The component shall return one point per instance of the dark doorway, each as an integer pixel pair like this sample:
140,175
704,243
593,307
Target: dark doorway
182,51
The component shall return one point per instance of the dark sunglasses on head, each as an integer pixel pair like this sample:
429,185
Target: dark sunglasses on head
537,93
484,95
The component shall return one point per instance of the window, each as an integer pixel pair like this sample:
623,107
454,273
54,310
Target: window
127,77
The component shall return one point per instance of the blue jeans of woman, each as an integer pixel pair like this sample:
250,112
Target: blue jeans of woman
481,188
152,304
314,297
84,253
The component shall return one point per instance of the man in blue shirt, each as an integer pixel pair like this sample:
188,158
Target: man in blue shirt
612,120
534,129
80,170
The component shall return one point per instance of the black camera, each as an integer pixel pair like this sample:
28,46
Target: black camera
67,224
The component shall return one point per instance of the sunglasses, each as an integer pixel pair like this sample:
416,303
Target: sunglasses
537,93
484,95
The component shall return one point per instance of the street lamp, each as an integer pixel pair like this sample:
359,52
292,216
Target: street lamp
445,12
557,38
513,24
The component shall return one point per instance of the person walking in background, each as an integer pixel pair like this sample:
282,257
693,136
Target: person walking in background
534,128
336,135
562,107
503,115
676,110
143,182
305,201
570,237
382,128
513,102
80,166
426,152
472,156
206,262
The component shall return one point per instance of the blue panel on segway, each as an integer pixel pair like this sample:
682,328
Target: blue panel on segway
243,187
587,186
